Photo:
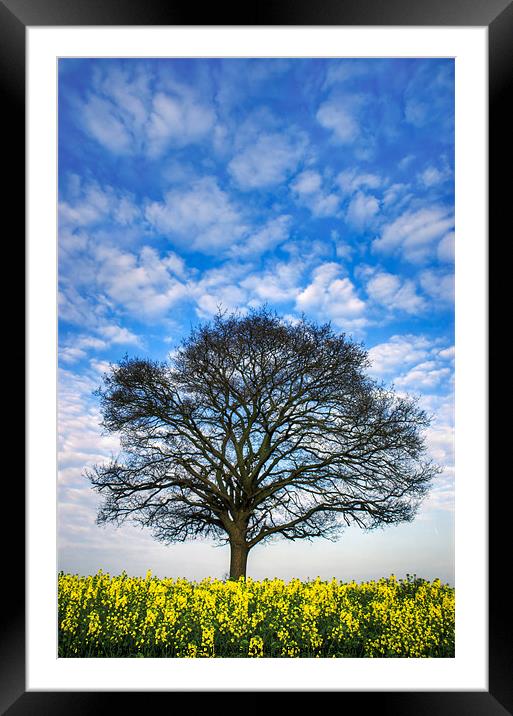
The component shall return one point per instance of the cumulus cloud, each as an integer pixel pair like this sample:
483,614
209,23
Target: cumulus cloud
220,288
350,180
268,237
415,234
81,444
340,72
113,334
144,284
440,441
131,111
70,354
88,204
394,292
400,350
339,116
308,189
406,161
429,97
201,216
424,376
104,122
178,119
75,348
324,204
416,362
74,308
397,195
431,176
238,285
267,160
332,296
80,440
361,210
279,282
445,250
438,285
448,353
308,182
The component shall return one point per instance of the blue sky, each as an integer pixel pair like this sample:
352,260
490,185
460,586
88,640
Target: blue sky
323,187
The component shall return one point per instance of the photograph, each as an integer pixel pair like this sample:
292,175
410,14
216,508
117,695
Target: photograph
256,357
259,293
258,251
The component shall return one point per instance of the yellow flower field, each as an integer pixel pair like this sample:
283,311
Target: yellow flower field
122,616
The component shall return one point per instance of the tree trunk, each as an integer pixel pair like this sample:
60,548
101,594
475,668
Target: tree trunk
238,559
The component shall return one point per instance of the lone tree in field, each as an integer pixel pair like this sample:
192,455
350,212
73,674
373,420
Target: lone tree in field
259,428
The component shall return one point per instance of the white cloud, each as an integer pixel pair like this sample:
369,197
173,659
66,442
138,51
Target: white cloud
115,334
344,70
429,96
220,288
272,234
339,116
177,120
406,161
424,376
308,182
237,285
278,283
361,210
416,362
74,349
201,217
414,235
396,195
80,439
440,442
431,176
438,285
440,405
394,293
268,160
308,189
89,203
142,284
445,250
81,444
397,352
96,343
325,205
102,120
99,366
332,297
350,180
447,353
131,112
70,354
416,112
75,308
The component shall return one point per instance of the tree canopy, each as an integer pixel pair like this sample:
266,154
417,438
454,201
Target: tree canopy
259,428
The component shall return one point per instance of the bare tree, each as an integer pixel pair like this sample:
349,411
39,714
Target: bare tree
259,428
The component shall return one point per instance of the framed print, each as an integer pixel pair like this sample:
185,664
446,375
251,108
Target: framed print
172,213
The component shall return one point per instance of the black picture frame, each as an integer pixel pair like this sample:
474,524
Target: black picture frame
497,16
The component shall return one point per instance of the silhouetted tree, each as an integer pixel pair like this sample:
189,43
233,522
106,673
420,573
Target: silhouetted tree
258,428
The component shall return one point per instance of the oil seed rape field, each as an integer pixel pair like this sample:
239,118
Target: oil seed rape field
122,616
